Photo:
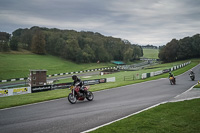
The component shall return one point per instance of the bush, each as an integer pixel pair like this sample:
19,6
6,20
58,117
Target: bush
197,86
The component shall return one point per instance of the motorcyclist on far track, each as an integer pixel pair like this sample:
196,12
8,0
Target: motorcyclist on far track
191,72
172,75
192,75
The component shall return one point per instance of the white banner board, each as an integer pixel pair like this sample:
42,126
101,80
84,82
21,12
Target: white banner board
15,91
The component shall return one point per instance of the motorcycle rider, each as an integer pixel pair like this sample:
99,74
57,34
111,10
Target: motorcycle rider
192,76
172,75
191,72
78,82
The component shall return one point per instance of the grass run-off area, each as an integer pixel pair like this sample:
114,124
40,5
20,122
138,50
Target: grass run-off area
179,117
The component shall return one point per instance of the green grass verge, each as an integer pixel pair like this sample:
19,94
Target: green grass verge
17,100
197,86
180,117
18,65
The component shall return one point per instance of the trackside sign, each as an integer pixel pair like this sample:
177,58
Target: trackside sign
15,91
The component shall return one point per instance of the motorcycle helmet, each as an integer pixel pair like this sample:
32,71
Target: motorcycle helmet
74,77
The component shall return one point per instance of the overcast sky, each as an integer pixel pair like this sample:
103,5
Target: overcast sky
142,22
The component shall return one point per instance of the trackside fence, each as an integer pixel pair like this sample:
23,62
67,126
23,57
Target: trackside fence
151,74
26,90
60,74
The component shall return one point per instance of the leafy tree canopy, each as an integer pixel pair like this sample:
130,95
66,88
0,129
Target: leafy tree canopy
185,48
80,47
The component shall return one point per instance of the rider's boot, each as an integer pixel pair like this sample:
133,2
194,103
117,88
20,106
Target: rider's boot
85,91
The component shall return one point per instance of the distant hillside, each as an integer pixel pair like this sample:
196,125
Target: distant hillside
17,65
150,53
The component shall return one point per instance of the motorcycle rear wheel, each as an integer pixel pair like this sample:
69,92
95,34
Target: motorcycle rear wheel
89,96
172,82
72,99
192,78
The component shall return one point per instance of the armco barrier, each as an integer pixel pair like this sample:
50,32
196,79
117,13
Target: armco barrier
40,88
25,90
60,74
112,79
158,72
146,75
152,74
66,85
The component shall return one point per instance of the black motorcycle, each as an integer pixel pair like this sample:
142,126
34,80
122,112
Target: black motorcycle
192,76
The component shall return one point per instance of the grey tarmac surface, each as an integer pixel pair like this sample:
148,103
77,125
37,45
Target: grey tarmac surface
59,116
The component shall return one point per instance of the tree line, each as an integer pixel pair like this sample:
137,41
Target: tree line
80,47
4,39
188,47
148,46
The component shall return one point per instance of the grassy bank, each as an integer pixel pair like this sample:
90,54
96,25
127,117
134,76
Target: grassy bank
180,117
18,65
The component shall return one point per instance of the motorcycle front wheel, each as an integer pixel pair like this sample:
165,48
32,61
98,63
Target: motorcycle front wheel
72,99
171,82
89,96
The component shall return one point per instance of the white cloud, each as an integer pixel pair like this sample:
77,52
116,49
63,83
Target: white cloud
139,21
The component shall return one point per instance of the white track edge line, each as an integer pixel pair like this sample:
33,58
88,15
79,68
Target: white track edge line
186,91
95,128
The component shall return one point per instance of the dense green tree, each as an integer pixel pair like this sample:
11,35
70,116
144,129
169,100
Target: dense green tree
128,55
14,43
161,54
185,48
72,50
88,54
101,54
172,49
38,43
80,47
195,46
4,41
137,52
4,47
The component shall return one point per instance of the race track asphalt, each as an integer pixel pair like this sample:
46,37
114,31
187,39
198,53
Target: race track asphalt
59,116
